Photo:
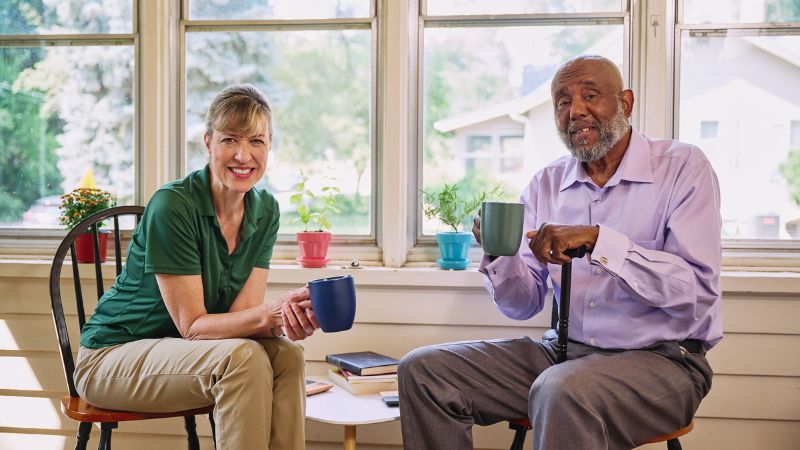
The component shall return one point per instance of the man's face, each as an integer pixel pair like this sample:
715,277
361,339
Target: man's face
591,114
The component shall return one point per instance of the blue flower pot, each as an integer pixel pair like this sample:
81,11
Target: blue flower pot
454,248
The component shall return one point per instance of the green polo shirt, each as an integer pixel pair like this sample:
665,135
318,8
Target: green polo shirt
179,234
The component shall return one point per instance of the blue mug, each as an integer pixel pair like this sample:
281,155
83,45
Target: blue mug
334,302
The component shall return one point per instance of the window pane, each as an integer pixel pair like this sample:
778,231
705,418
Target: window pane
708,129
748,84
471,7
319,83
65,17
66,114
495,82
740,11
277,9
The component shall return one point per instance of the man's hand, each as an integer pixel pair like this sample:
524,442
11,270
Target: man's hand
299,321
550,241
476,227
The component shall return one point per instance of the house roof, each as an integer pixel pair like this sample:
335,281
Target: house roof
784,47
605,46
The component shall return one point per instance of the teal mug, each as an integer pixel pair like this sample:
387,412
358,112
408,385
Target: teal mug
501,227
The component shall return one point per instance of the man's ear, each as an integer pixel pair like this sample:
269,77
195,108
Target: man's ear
626,97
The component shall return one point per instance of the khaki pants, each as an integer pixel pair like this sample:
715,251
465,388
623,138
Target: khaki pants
257,386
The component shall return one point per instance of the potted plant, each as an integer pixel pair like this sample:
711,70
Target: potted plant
452,208
78,205
312,210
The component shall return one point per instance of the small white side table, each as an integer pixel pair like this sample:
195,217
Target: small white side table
340,407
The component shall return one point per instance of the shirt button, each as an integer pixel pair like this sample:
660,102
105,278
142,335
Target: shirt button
598,270
592,305
635,284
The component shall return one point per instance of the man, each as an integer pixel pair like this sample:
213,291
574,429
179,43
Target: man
645,300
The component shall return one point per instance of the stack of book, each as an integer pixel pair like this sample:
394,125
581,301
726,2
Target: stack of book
363,372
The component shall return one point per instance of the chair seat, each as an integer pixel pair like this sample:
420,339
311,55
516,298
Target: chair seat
526,424
520,423
673,435
80,410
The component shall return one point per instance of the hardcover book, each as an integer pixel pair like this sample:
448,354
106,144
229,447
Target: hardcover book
360,388
363,363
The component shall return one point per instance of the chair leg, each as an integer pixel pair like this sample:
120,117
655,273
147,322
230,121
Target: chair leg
674,444
191,432
519,438
105,435
83,435
213,429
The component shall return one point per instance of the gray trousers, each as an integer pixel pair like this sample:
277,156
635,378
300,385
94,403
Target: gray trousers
597,399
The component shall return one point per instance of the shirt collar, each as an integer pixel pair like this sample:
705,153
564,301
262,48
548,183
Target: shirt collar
634,167
202,183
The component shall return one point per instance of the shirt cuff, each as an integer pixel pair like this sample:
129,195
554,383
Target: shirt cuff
611,249
501,269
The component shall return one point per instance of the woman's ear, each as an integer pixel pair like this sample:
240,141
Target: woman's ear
207,141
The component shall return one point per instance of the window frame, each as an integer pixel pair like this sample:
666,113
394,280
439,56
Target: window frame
652,60
738,254
28,243
344,248
423,249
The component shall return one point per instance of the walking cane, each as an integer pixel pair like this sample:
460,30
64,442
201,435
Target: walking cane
563,304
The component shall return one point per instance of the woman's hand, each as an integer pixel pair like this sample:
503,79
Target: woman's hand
298,317
274,318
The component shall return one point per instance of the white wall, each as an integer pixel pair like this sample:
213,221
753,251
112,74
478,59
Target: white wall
754,404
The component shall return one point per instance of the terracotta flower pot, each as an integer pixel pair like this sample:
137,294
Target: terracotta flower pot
84,247
313,248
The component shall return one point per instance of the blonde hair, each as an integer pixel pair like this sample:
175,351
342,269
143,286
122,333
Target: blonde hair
239,109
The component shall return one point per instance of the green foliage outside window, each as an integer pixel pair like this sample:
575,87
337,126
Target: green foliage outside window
314,208
28,168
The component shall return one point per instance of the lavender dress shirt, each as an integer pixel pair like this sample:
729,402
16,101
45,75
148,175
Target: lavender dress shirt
653,274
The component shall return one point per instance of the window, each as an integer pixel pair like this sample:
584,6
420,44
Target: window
314,61
66,105
708,129
486,85
511,153
736,60
794,135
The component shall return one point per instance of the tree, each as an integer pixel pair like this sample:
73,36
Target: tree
90,88
28,168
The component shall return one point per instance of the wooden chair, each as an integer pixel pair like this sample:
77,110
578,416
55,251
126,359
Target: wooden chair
72,405
560,320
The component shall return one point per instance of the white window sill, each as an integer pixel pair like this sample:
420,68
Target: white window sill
425,276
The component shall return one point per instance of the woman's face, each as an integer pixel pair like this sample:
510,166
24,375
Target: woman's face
237,162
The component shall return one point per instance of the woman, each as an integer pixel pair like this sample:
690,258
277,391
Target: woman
186,324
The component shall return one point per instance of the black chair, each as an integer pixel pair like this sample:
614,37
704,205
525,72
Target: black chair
560,321
72,405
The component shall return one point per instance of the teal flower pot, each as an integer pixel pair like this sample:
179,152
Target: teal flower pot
454,248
